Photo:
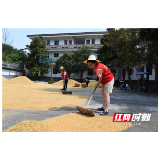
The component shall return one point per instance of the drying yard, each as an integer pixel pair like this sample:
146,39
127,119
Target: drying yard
20,93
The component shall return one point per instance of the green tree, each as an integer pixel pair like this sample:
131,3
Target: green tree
36,48
108,54
79,57
149,40
7,49
67,61
129,51
120,49
73,62
43,69
22,56
12,55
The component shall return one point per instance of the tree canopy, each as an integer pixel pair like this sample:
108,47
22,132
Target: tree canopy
126,48
67,61
13,55
36,48
73,62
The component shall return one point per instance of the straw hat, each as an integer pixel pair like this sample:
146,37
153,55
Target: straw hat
91,57
61,67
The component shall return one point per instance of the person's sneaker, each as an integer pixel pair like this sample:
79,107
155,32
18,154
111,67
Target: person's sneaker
62,89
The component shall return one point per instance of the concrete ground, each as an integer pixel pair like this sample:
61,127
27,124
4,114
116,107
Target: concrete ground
122,101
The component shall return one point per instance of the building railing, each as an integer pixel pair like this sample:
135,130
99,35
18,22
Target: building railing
94,46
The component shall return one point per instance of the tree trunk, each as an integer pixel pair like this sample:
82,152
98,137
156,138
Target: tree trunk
129,77
35,76
148,67
148,70
81,76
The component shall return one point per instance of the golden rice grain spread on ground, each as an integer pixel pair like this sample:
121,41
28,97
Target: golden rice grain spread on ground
4,79
22,93
73,122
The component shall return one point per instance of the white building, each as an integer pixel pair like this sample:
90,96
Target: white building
58,44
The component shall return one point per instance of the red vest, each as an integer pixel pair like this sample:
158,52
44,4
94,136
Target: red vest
66,76
107,75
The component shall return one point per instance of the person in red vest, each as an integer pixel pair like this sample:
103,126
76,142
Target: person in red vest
105,78
65,78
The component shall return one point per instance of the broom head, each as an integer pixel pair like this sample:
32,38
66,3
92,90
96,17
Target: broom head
85,111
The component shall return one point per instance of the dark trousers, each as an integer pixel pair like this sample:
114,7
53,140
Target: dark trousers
87,83
65,84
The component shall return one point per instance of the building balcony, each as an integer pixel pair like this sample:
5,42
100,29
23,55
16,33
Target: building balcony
75,46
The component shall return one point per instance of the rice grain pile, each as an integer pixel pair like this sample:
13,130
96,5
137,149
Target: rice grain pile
92,83
4,79
73,122
71,83
21,80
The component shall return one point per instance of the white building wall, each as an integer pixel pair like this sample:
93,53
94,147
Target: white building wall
61,42
53,75
51,55
72,41
133,76
116,74
151,77
61,54
97,41
67,41
51,42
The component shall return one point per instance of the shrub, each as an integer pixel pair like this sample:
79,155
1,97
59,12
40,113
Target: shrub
50,81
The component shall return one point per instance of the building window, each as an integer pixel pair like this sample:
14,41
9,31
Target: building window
93,41
56,55
56,42
48,42
87,41
65,42
70,42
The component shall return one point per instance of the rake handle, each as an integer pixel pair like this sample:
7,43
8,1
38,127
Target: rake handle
91,97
